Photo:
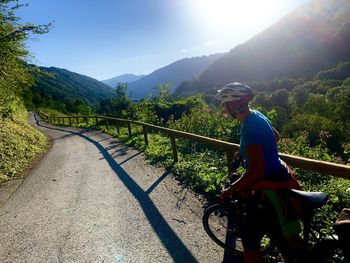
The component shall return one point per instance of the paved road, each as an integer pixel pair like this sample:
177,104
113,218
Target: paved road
93,200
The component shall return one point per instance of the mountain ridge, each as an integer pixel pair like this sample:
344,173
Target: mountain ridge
124,78
310,38
174,73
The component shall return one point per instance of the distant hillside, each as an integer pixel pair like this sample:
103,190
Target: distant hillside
175,73
313,37
63,85
125,78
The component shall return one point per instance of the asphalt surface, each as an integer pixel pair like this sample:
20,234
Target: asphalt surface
91,199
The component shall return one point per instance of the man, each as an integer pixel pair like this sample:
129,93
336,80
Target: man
265,180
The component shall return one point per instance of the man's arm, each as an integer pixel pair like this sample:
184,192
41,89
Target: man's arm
256,163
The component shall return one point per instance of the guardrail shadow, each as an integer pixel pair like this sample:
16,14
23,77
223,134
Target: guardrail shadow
171,242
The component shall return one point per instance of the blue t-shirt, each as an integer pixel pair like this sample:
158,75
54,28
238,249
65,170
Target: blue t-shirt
256,129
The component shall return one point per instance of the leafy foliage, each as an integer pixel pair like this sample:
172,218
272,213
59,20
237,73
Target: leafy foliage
312,106
119,105
15,76
204,121
203,171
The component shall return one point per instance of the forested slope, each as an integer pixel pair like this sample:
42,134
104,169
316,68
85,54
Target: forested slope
64,85
313,37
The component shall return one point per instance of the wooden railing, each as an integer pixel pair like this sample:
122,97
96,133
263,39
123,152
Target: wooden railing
322,167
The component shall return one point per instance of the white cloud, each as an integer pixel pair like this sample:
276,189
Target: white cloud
184,50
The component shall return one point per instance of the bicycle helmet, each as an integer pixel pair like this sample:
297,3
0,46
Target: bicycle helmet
236,91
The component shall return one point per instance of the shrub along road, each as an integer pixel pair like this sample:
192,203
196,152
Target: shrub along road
91,199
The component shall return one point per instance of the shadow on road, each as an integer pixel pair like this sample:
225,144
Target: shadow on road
156,183
128,159
172,243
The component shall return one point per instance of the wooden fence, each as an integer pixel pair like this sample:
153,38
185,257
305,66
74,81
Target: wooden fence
322,167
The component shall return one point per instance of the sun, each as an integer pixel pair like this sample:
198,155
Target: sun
224,16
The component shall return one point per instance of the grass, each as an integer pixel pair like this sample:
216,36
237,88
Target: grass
19,145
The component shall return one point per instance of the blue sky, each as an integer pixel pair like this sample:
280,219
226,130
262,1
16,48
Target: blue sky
106,38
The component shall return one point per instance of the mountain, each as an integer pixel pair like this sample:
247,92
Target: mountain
125,78
313,37
63,85
175,73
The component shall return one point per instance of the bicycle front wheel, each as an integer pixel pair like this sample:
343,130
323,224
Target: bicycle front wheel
220,223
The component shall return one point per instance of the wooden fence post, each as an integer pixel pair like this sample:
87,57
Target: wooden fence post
145,134
107,126
86,121
96,119
173,146
129,129
70,121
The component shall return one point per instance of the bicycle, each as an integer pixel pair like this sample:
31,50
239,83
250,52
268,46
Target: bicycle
223,224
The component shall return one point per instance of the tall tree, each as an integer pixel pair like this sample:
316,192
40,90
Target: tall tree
15,76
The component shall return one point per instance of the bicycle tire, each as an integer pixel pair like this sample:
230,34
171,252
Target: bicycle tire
220,224
327,250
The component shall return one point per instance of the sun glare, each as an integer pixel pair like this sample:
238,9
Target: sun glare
225,15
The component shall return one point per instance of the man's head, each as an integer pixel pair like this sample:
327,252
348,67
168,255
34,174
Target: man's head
235,97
